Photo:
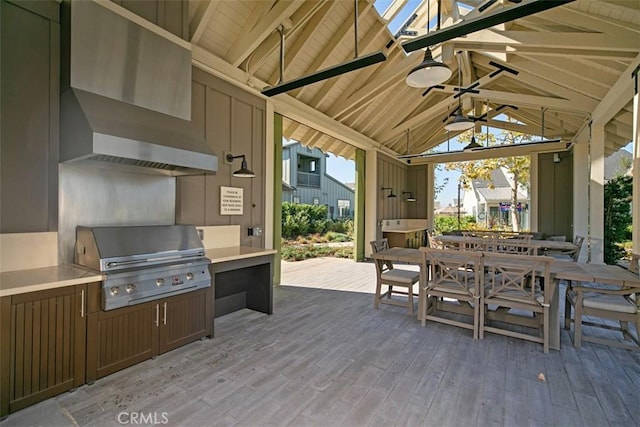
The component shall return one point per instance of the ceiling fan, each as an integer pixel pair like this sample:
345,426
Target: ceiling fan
494,17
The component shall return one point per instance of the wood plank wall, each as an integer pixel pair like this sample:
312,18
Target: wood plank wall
401,177
231,121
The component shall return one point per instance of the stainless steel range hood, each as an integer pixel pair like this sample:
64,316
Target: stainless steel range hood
127,97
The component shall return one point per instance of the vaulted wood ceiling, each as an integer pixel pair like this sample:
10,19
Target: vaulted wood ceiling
575,61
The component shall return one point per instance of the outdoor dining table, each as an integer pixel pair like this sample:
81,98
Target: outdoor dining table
560,270
540,244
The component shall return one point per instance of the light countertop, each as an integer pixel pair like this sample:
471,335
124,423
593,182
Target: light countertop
40,279
402,229
235,253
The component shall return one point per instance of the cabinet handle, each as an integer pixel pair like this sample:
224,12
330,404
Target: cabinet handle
164,317
82,303
157,315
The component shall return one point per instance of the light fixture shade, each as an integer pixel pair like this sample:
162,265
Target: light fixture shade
428,73
410,197
391,193
244,171
459,122
473,144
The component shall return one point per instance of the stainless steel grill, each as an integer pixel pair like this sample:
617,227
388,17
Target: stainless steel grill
143,263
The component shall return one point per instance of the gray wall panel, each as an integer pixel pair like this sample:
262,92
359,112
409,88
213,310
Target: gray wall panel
29,107
234,122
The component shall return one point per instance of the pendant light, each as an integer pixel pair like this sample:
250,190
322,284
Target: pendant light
459,121
429,72
473,144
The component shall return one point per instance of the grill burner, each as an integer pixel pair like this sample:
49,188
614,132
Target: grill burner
143,263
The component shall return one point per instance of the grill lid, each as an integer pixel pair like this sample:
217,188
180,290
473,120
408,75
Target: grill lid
124,247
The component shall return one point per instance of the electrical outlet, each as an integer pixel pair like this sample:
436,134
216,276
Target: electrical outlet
254,231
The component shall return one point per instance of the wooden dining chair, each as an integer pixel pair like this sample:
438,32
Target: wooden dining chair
574,254
453,284
518,292
619,305
634,264
514,246
387,274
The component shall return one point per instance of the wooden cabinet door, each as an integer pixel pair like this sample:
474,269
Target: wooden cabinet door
185,318
42,345
121,338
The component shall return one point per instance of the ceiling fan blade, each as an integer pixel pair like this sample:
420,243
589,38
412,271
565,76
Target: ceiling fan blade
524,144
486,5
495,17
415,156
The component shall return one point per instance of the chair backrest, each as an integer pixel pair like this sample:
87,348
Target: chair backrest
431,241
379,246
479,244
459,271
557,238
514,246
578,241
518,277
634,265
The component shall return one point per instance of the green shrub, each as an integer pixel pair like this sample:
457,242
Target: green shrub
617,217
302,252
344,226
333,236
444,223
300,219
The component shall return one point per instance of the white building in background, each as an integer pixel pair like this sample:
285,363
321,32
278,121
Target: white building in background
490,201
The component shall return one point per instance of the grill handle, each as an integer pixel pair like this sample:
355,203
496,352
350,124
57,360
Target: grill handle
157,315
151,261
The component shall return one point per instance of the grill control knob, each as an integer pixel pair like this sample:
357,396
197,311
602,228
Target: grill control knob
189,276
160,281
114,290
130,287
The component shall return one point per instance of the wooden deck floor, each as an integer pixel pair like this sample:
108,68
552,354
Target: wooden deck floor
327,358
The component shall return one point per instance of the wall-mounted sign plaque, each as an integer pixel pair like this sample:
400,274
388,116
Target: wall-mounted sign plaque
230,201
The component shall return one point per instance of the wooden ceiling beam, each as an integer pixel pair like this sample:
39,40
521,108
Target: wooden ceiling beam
292,52
298,21
394,8
200,20
618,96
339,38
485,39
251,37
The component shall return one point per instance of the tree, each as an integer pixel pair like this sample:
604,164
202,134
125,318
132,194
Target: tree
516,167
617,216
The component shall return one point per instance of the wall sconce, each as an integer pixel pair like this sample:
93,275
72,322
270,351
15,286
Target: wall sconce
556,158
244,171
410,197
391,195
